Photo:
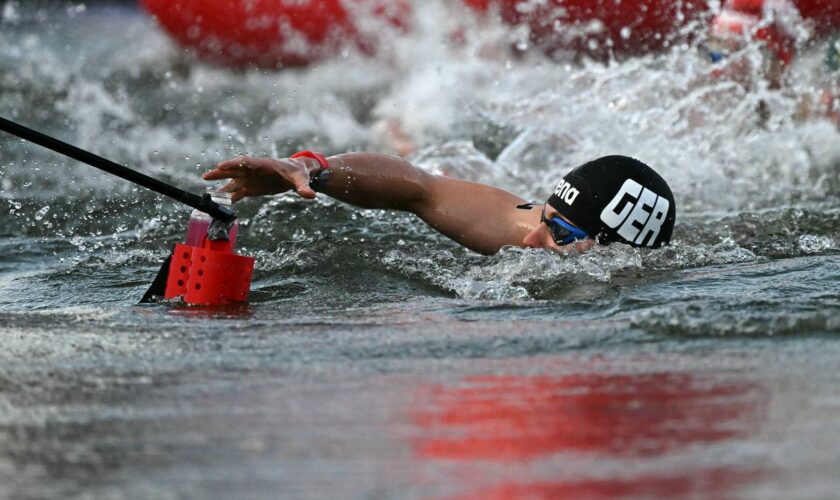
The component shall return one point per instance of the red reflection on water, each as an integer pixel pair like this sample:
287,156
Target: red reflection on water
519,418
632,418
709,483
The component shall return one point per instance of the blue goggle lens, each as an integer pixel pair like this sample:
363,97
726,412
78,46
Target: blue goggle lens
562,232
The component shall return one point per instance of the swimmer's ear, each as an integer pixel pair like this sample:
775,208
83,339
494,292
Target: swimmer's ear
526,206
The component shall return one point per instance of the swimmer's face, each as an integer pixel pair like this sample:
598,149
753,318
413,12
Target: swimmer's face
541,236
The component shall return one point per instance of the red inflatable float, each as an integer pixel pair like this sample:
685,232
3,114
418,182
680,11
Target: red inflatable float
603,29
282,33
274,33
597,28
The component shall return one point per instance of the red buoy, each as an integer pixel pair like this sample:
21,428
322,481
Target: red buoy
273,33
209,275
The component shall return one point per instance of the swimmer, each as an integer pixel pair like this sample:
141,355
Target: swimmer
611,199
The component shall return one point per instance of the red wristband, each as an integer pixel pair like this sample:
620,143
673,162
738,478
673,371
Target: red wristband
322,160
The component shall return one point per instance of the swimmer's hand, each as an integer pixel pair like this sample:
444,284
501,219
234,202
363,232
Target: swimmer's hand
251,176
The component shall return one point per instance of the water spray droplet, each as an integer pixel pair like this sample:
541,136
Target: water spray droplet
40,214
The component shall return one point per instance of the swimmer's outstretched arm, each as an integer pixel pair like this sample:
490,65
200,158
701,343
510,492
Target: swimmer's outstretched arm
480,217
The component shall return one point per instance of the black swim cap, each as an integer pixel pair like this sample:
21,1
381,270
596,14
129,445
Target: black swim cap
616,198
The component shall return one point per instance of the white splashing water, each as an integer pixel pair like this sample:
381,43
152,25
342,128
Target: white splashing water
704,135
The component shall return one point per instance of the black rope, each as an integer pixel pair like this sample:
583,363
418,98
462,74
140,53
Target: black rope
203,203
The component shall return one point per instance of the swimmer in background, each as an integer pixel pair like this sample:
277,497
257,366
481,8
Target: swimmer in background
783,33
611,199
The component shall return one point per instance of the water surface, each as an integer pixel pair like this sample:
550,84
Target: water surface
376,358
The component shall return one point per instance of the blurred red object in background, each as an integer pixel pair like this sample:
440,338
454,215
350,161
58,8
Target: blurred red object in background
600,29
272,33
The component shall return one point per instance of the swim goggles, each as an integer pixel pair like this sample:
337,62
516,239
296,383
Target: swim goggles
562,232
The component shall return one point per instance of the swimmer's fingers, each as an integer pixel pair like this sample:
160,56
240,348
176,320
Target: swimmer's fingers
299,179
238,195
236,191
261,176
216,174
230,187
292,174
241,166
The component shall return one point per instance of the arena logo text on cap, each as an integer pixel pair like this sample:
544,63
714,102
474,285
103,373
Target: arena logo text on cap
638,211
566,192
